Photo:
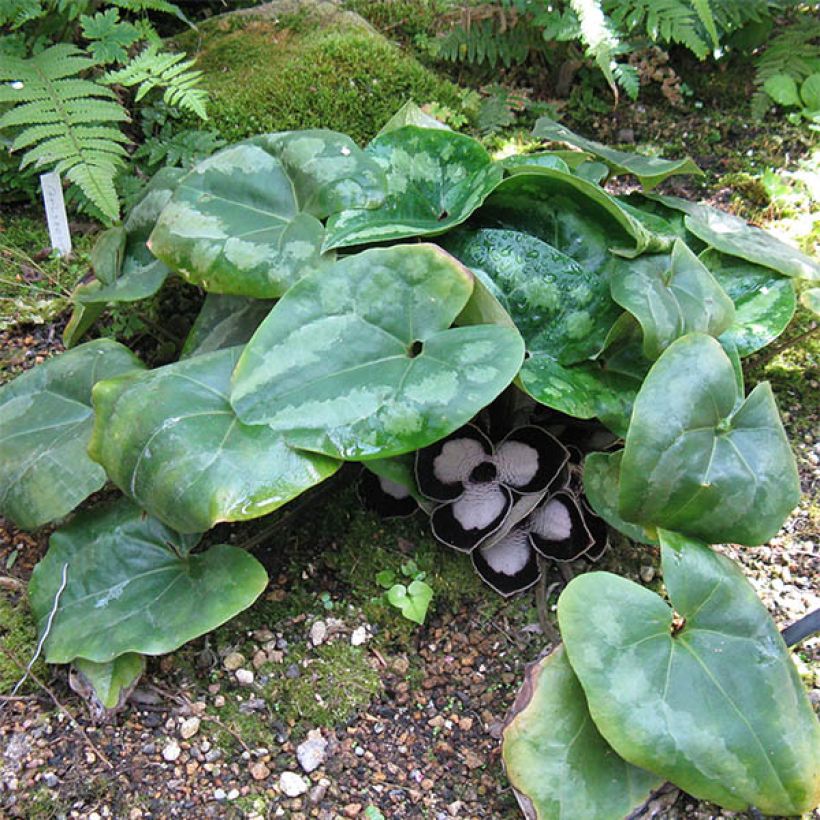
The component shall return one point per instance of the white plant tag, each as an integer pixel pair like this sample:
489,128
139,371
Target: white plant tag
55,213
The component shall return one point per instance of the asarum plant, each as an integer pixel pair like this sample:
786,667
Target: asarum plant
367,304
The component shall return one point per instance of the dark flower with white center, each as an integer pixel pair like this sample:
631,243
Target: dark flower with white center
386,497
559,528
477,483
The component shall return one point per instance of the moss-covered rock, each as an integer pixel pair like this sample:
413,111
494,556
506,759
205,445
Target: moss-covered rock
270,70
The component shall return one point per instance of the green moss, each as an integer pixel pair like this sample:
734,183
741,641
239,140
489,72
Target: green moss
18,636
268,77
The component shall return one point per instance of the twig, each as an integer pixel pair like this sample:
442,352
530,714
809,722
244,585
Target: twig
64,709
43,637
231,732
542,594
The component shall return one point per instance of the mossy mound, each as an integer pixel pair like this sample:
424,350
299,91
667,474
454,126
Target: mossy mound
306,70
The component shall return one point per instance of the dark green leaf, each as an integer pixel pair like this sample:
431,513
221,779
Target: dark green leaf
45,425
700,460
671,295
358,362
134,586
435,180
650,171
764,301
602,483
224,321
169,439
711,700
557,760
112,681
561,310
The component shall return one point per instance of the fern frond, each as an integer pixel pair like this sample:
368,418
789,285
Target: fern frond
142,6
16,13
66,122
173,72
599,37
707,19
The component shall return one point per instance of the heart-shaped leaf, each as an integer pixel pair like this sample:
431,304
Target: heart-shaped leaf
357,361
650,171
602,484
563,160
133,272
671,295
555,758
733,236
705,695
435,180
412,600
246,220
112,681
45,425
561,310
132,585
224,321
170,440
764,301
700,460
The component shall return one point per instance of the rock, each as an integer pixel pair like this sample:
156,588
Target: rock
259,771
293,671
292,784
189,728
647,573
472,759
312,752
318,792
244,677
233,661
263,635
233,794
259,659
359,636
219,701
51,780
171,752
352,810
220,794
318,633
625,135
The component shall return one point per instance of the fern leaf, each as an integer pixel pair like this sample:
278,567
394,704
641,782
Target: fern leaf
65,122
707,19
172,72
598,36
109,36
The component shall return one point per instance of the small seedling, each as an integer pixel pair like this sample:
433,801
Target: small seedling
412,599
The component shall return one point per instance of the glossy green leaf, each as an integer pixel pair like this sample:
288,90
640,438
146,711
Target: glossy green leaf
672,295
602,483
733,236
81,321
709,700
133,585
563,160
435,180
135,273
411,114
45,424
106,255
413,600
224,321
246,220
764,301
556,760
595,172
112,681
169,439
650,171
698,458
561,310
358,362
810,299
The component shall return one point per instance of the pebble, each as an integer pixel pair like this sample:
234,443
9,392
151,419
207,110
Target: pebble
292,784
171,752
312,752
359,636
318,792
259,771
233,794
292,671
234,661
189,728
244,677
318,633
51,780
647,573
220,794
352,810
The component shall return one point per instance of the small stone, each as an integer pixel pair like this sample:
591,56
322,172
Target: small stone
311,753
359,636
647,573
292,784
318,633
220,794
233,794
51,780
244,677
233,661
263,635
292,671
219,701
473,760
259,659
171,752
213,755
352,810
189,728
259,771
317,793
